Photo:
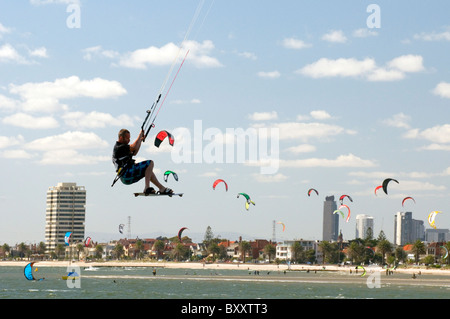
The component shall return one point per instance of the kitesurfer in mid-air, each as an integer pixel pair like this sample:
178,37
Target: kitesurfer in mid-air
131,172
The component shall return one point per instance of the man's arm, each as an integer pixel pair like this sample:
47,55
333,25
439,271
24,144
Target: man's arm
136,145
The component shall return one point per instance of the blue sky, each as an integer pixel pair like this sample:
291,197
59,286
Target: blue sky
353,105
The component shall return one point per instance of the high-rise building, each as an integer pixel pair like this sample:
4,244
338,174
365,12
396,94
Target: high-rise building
364,226
330,220
406,229
66,212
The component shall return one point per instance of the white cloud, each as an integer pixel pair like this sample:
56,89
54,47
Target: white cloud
308,131
320,115
263,116
39,52
442,90
292,43
349,160
248,55
303,148
400,120
98,51
16,154
7,103
269,75
9,54
199,55
31,122
364,33
407,63
439,134
341,67
46,96
335,36
71,157
68,141
366,69
7,141
4,30
433,36
95,120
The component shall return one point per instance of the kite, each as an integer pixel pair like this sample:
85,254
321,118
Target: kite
446,252
342,198
167,173
386,182
180,232
348,216
284,226
87,241
216,182
431,218
67,238
361,267
121,226
377,188
28,272
248,202
312,189
161,136
340,212
404,199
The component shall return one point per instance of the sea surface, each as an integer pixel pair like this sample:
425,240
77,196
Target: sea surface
166,283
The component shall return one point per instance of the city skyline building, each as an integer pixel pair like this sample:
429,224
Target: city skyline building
406,229
65,212
330,221
363,224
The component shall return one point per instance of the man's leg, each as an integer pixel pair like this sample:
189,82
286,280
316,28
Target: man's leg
151,177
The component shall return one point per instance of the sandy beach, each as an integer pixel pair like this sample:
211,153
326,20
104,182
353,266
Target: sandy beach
217,266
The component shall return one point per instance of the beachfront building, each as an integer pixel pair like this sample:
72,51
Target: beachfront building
330,221
65,212
407,229
364,226
284,249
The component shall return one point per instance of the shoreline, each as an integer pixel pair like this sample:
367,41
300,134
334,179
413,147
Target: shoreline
228,266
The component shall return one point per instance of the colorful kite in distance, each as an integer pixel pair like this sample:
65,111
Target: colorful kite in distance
161,136
311,190
217,181
406,198
167,173
386,182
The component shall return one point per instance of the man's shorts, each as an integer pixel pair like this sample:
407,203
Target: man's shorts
135,173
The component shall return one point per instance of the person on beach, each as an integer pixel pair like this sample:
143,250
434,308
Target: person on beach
132,172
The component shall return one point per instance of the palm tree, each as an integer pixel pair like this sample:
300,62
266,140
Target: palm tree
22,249
418,248
213,249
138,249
6,249
159,247
297,251
244,247
269,250
59,250
98,251
118,250
384,246
80,247
179,252
326,248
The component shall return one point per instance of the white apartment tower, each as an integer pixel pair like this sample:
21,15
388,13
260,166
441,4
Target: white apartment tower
363,224
66,212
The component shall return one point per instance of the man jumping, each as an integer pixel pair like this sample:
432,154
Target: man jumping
131,172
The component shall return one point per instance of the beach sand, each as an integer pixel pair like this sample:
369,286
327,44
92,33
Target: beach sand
217,266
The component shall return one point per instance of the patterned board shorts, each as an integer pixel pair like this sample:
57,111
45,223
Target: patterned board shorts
135,173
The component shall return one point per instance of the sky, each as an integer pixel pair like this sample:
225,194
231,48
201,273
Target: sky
334,95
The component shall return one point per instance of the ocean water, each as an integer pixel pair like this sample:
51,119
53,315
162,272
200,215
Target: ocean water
141,283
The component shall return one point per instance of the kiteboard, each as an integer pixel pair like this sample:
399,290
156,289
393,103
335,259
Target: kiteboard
158,194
